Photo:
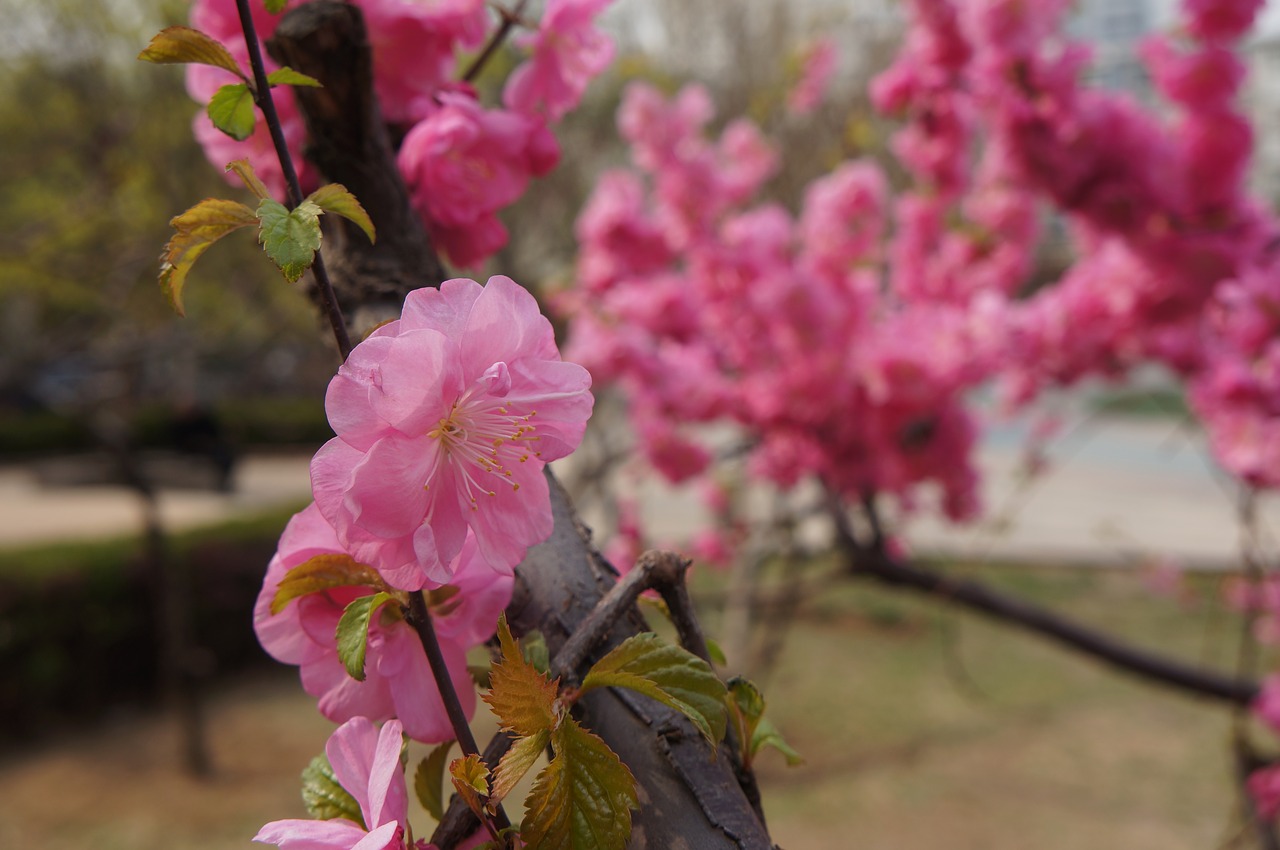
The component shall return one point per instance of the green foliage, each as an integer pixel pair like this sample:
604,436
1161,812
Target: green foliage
243,169
197,230
275,7
186,46
428,780
582,799
517,762
290,237
324,797
335,198
286,76
670,674
324,572
471,780
353,631
746,709
231,110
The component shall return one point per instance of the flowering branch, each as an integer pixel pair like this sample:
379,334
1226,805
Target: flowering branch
262,97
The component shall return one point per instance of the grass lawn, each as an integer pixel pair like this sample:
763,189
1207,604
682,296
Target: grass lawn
922,728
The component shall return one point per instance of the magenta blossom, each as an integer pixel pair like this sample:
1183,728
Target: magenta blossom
445,419
568,51
366,762
398,682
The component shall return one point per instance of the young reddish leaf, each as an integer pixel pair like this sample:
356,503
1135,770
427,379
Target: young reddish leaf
582,799
516,763
231,111
291,237
324,572
471,778
286,76
523,698
353,631
324,798
428,780
670,674
335,198
185,46
244,170
197,229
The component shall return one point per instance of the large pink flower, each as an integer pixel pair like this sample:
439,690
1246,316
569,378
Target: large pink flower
445,419
568,51
398,682
366,762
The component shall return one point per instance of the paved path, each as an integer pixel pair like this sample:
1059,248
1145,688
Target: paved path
1116,491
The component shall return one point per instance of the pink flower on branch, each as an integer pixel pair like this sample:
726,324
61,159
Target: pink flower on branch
445,419
398,681
568,51
366,762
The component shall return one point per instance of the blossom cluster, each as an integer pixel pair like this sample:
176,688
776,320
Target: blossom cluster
463,162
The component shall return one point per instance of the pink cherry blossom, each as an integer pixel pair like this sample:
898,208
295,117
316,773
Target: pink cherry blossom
819,66
568,51
445,419
398,681
366,763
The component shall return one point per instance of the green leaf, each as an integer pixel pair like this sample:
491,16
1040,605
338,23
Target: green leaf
324,797
291,237
516,763
716,652
185,46
767,735
471,779
275,7
428,780
670,674
231,111
582,800
286,76
534,648
244,170
197,229
748,700
353,631
335,198
523,698
324,572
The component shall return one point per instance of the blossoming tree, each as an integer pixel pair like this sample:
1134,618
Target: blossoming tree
839,343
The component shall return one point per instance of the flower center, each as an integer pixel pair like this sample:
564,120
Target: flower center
483,440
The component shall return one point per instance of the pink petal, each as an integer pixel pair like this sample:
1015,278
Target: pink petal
296,834
387,495
505,324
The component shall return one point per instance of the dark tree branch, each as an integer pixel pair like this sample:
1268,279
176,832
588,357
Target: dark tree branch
874,563
348,143
325,297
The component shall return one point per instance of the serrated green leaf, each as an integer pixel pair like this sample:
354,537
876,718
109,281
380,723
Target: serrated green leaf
244,170
670,674
324,572
516,763
187,46
428,780
286,76
767,735
324,798
231,111
275,7
197,229
471,780
335,198
523,698
353,632
582,799
291,237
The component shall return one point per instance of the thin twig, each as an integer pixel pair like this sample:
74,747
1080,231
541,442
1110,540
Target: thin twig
510,17
262,97
420,618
